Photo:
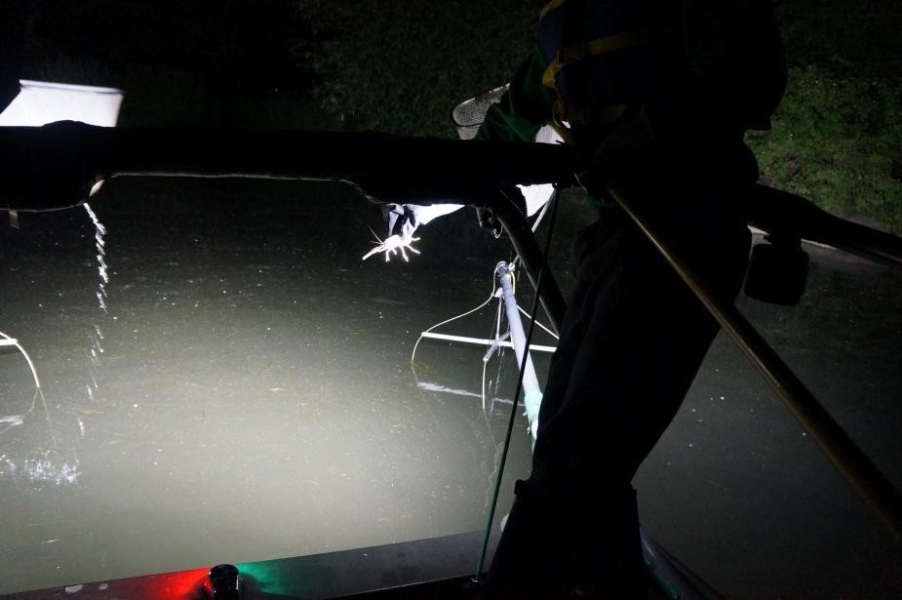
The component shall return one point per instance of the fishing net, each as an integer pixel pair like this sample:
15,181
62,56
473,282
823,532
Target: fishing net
469,114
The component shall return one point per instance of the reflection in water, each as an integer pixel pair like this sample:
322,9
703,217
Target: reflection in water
95,335
103,277
41,465
54,463
494,345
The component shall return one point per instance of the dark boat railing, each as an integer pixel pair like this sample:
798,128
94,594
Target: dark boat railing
55,166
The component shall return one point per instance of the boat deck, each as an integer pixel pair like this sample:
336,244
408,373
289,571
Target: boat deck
438,569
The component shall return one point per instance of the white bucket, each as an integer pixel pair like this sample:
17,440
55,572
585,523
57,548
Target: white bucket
41,102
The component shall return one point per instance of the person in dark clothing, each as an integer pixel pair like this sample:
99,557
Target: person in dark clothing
655,97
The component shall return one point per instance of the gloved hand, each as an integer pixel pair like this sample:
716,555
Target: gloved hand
488,220
401,220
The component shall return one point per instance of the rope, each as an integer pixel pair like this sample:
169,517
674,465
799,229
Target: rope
9,341
446,321
38,390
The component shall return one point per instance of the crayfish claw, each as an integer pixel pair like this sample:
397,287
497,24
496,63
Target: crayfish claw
393,245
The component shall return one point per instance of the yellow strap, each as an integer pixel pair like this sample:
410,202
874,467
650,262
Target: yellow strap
561,113
558,119
620,41
550,7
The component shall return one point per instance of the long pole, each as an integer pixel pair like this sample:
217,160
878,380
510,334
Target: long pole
873,488
539,280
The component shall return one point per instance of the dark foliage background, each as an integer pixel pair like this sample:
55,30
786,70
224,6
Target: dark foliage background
837,138
399,66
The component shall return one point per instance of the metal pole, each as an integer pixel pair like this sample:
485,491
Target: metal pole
533,258
539,280
873,488
779,212
532,392
463,339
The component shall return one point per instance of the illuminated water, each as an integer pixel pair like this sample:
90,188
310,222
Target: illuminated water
225,381
234,386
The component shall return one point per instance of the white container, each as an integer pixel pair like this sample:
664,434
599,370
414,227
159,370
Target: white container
41,102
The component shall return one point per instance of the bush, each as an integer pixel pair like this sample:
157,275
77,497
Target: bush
835,141
400,66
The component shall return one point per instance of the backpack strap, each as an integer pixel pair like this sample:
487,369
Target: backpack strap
570,55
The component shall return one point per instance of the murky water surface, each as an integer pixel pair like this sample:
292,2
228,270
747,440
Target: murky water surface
224,380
